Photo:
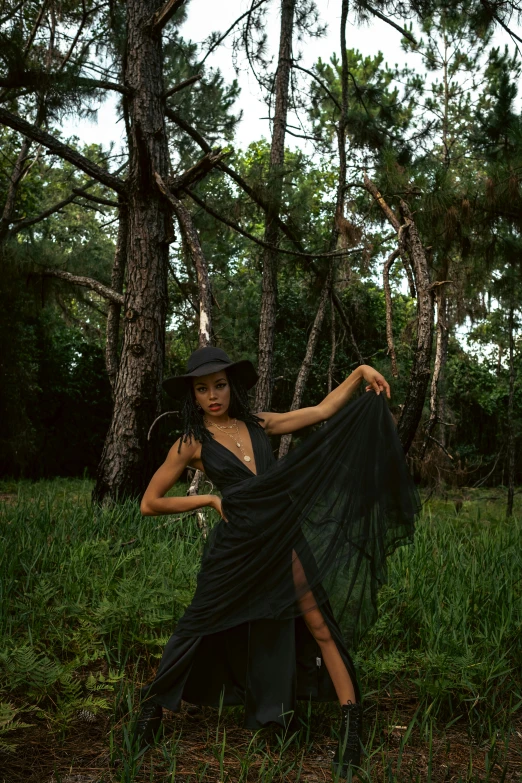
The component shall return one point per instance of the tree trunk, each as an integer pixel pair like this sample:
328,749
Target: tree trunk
511,428
333,344
341,130
114,314
440,358
192,243
304,370
341,180
125,466
421,369
277,154
389,310
412,251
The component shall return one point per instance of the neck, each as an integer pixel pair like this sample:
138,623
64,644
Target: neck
223,420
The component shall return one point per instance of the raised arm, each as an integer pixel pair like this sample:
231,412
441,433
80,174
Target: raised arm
154,502
283,423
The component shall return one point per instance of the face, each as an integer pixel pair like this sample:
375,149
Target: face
213,394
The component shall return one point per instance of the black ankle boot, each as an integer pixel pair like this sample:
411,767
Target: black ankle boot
148,724
349,745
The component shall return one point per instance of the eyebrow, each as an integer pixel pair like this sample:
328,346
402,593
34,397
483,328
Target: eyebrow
218,380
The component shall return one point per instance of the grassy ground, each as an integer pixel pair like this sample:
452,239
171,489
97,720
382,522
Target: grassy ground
88,602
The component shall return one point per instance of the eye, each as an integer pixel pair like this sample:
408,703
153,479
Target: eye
220,385
201,389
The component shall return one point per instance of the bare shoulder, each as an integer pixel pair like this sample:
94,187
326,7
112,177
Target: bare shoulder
263,419
184,451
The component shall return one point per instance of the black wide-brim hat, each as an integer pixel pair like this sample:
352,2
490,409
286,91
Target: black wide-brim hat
206,361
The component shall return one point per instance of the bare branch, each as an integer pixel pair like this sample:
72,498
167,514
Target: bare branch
164,15
196,173
389,213
79,31
36,25
87,282
21,225
397,27
234,24
497,18
97,199
192,239
236,227
304,370
347,325
43,80
439,444
319,81
181,86
62,150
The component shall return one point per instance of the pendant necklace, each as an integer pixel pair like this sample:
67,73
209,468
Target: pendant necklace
236,438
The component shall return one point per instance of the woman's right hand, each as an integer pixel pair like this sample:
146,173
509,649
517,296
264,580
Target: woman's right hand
216,504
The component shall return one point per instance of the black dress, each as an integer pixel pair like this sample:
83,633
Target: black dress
316,525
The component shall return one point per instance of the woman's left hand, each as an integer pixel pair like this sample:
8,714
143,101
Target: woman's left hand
376,381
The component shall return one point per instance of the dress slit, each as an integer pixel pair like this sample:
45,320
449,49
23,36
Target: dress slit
298,535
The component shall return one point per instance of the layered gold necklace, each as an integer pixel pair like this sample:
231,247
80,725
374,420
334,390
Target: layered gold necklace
236,437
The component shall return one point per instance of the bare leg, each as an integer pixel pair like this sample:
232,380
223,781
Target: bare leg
318,627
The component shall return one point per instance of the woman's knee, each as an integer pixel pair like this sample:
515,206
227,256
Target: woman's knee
318,626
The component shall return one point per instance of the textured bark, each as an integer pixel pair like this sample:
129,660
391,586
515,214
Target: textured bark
421,369
114,315
195,173
511,429
341,181
126,466
333,344
267,317
441,344
304,370
341,129
389,313
87,282
387,210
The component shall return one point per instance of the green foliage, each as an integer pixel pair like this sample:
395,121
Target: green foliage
9,722
89,599
450,599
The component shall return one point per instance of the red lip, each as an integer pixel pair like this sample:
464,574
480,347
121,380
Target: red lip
213,407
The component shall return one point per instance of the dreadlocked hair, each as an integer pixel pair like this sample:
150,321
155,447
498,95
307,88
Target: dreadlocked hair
193,425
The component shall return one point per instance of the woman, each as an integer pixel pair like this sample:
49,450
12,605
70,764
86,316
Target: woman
289,576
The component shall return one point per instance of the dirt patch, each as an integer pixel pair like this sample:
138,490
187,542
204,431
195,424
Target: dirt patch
192,750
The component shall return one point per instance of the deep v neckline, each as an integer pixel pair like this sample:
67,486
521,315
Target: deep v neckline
241,462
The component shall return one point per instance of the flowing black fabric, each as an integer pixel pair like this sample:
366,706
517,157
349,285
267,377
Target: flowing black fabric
313,529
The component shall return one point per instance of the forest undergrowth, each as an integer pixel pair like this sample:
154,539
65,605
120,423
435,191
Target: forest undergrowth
88,601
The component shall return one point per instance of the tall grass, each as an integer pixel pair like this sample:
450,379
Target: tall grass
88,601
